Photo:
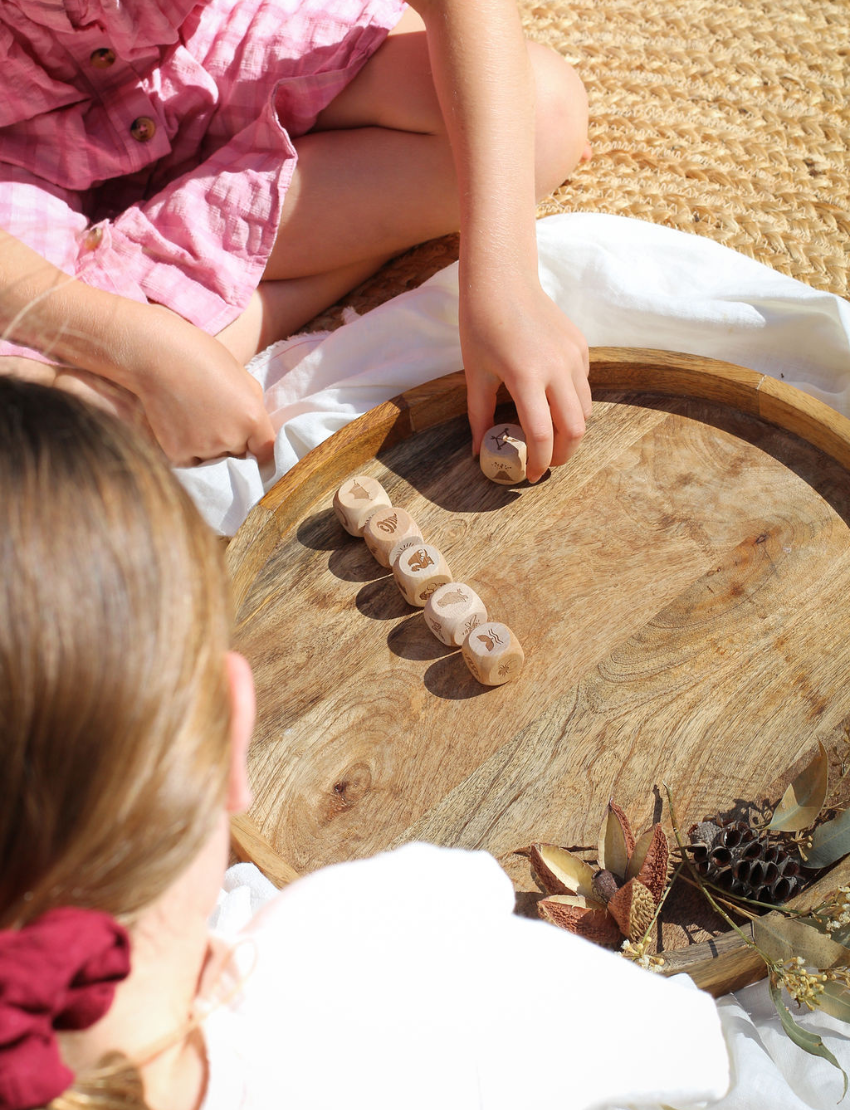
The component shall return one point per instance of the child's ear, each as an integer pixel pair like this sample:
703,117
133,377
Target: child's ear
242,712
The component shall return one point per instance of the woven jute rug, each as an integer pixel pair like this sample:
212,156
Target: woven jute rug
719,118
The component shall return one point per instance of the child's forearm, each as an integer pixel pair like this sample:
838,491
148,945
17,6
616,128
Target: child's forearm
46,309
510,331
485,86
199,401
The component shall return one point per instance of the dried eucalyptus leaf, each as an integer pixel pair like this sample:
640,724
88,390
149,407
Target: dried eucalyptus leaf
830,842
616,842
780,938
809,1042
835,1001
803,800
559,870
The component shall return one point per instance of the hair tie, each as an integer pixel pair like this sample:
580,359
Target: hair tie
60,972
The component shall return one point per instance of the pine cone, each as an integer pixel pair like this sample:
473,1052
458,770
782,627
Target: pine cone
745,862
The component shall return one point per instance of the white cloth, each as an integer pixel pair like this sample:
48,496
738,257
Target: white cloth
407,981
624,282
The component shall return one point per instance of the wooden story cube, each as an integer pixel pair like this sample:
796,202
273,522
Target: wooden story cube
385,528
504,454
402,546
493,654
356,500
419,571
452,611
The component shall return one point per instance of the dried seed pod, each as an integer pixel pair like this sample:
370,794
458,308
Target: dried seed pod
605,885
616,841
744,861
633,908
559,871
704,833
652,872
590,921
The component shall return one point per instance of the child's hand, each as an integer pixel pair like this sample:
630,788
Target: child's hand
201,403
520,337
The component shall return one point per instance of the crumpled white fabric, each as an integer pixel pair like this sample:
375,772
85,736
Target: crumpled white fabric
624,282
768,1072
407,980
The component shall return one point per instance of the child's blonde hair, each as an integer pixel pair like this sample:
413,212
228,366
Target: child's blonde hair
114,624
114,703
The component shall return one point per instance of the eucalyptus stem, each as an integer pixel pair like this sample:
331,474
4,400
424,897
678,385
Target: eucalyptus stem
732,906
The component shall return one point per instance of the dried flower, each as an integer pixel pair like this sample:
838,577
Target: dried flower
638,953
618,899
836,915
803,985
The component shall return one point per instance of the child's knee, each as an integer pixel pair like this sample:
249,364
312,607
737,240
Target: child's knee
561,127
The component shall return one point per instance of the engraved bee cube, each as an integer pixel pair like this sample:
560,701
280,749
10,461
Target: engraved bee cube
493,654
504,454
356,500
419,571
385,528
452,611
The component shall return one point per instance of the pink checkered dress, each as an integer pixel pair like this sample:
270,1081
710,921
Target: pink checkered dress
145,145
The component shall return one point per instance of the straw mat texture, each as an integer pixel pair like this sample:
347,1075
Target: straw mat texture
728,118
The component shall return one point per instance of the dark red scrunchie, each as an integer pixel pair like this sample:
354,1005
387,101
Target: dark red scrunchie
58,973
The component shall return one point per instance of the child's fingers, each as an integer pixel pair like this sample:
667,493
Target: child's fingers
261,443
570,426
536,420
481,406
570,405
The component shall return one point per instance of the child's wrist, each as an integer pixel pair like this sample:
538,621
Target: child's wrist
126,344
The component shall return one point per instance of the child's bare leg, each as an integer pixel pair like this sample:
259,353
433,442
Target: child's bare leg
279,308
376,176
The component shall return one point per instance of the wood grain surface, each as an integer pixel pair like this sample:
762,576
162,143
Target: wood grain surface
681,590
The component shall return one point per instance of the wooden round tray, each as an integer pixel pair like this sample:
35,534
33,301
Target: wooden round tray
681,589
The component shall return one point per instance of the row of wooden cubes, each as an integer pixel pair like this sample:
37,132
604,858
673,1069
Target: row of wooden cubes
454,612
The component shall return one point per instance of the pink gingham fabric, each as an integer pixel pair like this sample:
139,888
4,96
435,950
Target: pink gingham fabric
146,145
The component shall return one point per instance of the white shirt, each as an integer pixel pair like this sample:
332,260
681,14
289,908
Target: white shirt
405,982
